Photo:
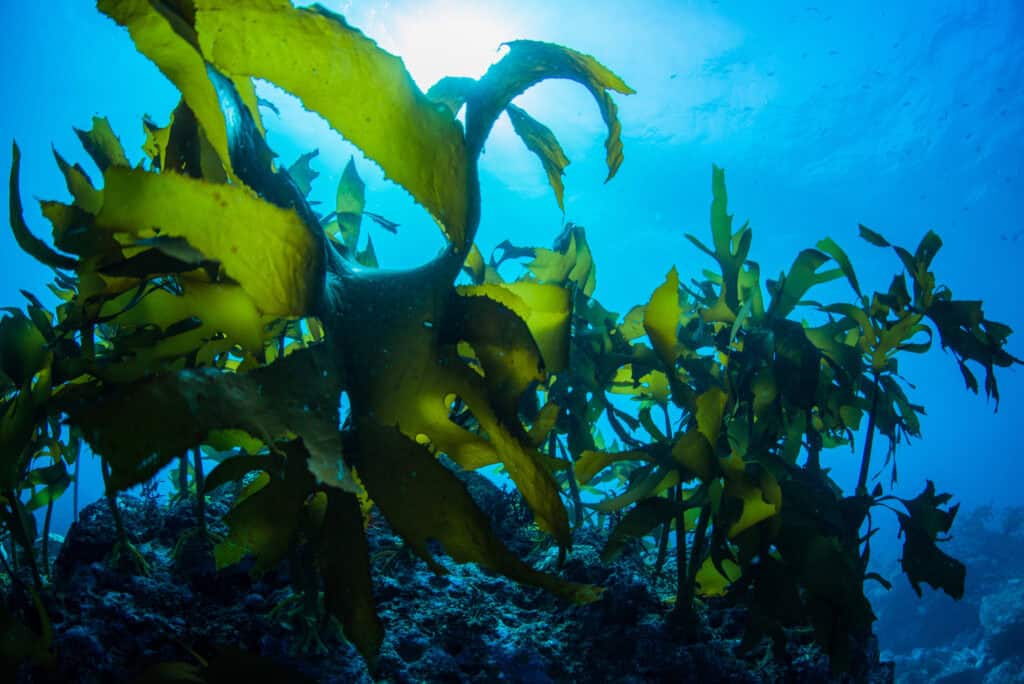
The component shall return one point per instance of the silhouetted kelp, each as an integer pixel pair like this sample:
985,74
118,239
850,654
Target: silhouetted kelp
206,304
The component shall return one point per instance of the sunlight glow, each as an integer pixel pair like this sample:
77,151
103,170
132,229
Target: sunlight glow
448,38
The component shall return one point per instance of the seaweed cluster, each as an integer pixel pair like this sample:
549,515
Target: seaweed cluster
210,312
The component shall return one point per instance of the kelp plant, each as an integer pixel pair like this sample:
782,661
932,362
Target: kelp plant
179,273
207,305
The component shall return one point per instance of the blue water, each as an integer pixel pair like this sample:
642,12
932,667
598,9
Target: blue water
902,116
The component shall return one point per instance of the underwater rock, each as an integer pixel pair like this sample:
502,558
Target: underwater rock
508,511
468,625
92,537
1007,672
1002,616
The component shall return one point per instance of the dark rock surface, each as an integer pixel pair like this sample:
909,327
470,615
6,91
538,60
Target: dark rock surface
465,626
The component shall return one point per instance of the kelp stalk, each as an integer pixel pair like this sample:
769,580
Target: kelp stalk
111,494
696,553
662,556
182,474
813,444
74,493
15,521
197,467
684,604
865,460
574,488
46,535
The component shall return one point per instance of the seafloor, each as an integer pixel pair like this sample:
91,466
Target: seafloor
466,626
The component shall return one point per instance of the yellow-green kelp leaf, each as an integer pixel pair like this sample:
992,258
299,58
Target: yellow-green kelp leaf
102,144
32,245
270,251
590,463
423,500
652,385
166,38
730,251
187,149
18,418
761,497
661,319
570,263
508,443
452,91
632,325
157,138
548,318
545,422
693,451
711,582
539,139
653,483
229,439
86,196
349,203
368,255
710,411
263,523
225,314
545,309
527,63
362,91
832,248
501,341
802,276
23,350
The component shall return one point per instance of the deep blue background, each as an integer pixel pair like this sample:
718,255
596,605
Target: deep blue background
902,116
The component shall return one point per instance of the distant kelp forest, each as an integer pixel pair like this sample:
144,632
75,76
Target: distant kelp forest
210,312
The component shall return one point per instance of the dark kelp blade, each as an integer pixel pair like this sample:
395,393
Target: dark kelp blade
32,245
344,557
303,173
163,416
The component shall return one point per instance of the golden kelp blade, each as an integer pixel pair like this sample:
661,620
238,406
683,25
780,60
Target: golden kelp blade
166,39
424,500
364,93
661,319
539,139
527,63
269,251
544,308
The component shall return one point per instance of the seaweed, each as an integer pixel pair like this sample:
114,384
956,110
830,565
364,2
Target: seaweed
208,308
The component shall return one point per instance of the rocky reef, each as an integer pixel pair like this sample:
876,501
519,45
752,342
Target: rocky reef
469,625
